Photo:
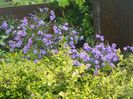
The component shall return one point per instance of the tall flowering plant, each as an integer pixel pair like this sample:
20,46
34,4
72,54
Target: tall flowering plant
97,57
39,33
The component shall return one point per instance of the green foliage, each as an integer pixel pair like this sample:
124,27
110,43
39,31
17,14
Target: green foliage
79,14
64,3
55,77
9,3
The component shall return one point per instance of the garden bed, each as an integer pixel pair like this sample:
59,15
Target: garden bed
40,57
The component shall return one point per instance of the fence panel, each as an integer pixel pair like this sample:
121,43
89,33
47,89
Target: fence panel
115,20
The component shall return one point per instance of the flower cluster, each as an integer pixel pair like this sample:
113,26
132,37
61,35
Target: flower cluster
39,33
98,56
128,48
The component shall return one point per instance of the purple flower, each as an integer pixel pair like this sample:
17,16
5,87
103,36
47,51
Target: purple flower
21,33
25,49
40,33
44,40
76,63
96,72
32,26
115,59
4,25
65,28
84,57
96,62
25,22
49,42
74,32
56,51
131,48
36,60
113,45
35,51
18,44
48,36
102,38
71,38
87,47
52,15
41,23
43,52
8,31
97,36
30,41
12,44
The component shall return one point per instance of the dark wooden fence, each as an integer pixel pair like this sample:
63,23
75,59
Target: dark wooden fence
23,11
114,19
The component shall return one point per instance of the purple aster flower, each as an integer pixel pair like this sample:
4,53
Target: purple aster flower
102,38
76,38
115,59
4,25
111,64
35,51
8,31
32,26
25,49
97,36
41,23
17,38
40,33
56,51
48,36
83,55
87,47
43,52
74,55
56,31
25,22
36,60
71,43
21,33
65,28
18,44
113,45
71,38
30,41
49,42
96,56
96,62
52,17
74,32
44,40
76,63
131,48
96,72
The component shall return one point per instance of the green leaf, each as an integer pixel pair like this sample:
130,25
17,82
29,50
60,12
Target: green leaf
4,37
63,3
2,43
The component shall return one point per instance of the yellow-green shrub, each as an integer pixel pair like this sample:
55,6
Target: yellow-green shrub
55,77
